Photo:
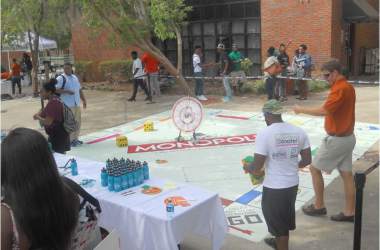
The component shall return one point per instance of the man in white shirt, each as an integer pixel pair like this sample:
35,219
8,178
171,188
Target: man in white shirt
70,90
198,67
138,77
279,145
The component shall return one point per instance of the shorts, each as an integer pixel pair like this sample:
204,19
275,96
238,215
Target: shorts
335,152
279,210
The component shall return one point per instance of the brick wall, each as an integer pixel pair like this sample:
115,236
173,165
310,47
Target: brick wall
12,54
337,32
307,21
88,46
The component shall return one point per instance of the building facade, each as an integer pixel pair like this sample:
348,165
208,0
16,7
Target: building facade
343,29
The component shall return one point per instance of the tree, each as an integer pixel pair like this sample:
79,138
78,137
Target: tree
168,18
131,21
36,17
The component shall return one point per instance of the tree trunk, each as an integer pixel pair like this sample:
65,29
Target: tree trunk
179,50
147,45
34,47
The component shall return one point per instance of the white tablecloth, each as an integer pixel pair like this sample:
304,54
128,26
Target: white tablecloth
141,219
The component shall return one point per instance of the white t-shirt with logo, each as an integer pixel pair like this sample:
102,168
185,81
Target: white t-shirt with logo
281,143
196,63
137,65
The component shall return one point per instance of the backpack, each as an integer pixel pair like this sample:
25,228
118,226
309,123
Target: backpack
70,124
63,84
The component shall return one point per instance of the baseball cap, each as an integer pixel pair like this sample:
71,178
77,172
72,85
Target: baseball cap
273,107
220,46
270,61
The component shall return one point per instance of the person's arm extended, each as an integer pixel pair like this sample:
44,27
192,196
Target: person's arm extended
305,158
257,165
83,98
64,91
315,111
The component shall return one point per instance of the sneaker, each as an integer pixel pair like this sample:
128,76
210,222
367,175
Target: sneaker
271,241
74,143
79,142
202,98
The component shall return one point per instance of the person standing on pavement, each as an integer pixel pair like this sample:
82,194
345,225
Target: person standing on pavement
271,69
303,65
27,67
151,68
198,67
236,71
16,77
138,78
224,68
338,145
278,147
283,59
51,117
71,93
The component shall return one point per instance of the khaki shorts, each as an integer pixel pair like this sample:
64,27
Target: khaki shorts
335,152
239,73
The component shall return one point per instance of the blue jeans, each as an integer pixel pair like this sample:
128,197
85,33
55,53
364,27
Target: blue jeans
227,87
198,84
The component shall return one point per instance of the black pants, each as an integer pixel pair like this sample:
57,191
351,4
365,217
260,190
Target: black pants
16,80
269,87
136,83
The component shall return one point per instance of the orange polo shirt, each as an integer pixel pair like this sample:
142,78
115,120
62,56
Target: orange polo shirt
150,63
16,69
340,107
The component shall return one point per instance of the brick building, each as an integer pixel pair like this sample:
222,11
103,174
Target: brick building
344,29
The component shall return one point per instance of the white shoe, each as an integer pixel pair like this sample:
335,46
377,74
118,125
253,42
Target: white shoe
202,98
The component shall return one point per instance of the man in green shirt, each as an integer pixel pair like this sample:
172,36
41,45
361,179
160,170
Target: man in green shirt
236,58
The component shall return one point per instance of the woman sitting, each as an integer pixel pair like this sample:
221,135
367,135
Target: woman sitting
38,210
51,117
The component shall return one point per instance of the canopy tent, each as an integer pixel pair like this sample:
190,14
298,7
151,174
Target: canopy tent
22,43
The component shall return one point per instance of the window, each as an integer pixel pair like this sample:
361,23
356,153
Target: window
237,10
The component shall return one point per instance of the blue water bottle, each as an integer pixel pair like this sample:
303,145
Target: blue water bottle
104,177
135,176
170,209
117,184
74,167
130,178
146,170
124,182
111,181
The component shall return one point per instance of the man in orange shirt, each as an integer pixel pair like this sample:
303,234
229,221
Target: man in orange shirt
16,77
337,147
151,69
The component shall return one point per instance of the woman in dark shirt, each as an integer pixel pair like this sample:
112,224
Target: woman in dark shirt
51,117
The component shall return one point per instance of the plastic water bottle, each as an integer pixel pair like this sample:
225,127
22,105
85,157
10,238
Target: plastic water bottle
111,181
170,209
146,170
104,177
117,183
141,175
130,178
74,167
124,182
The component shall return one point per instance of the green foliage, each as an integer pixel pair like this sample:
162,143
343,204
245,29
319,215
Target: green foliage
167,16
120,67
82,67
255,87
43,17
317,86
246,65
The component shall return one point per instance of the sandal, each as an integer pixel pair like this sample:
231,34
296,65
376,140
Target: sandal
342,217
312,211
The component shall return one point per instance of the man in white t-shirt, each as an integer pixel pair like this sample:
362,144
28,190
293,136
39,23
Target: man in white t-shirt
138,77
198,67
279,146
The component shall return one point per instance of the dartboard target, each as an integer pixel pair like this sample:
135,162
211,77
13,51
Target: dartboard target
187,114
